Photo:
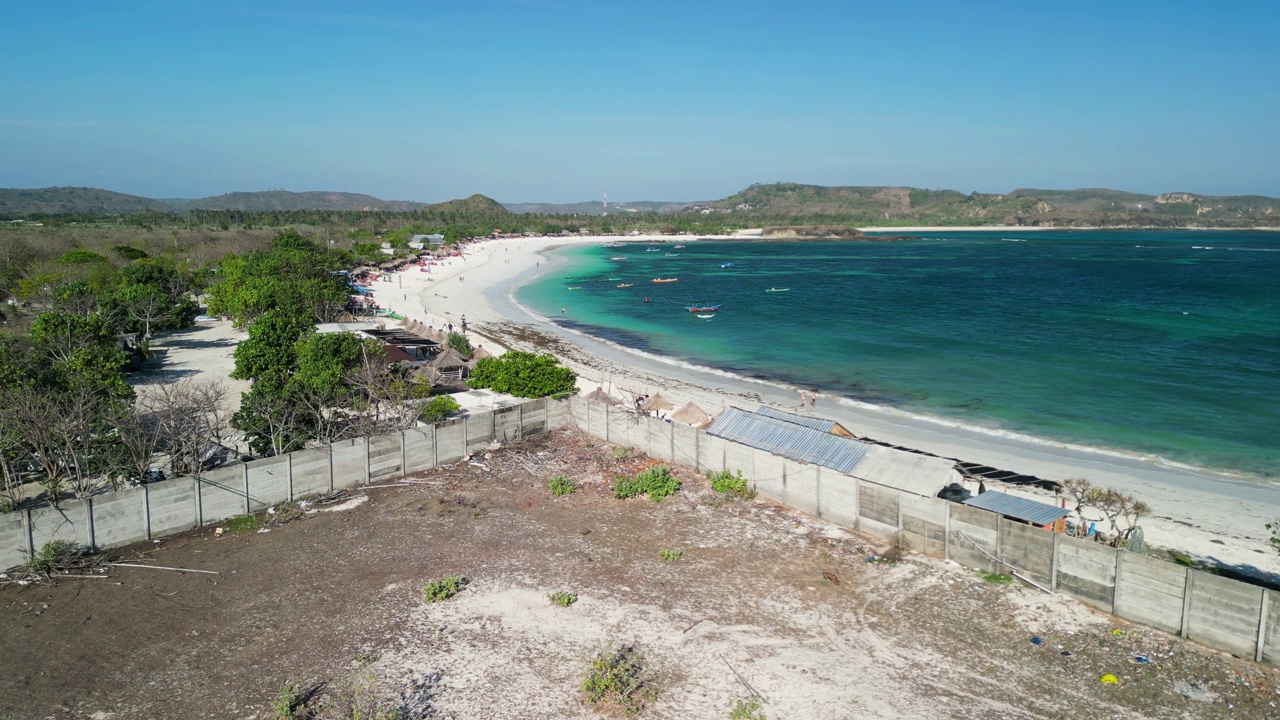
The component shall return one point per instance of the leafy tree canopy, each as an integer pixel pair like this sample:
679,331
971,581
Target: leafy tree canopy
268,352
523,374
80,257
325,361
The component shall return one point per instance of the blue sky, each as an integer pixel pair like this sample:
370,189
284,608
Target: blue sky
557,100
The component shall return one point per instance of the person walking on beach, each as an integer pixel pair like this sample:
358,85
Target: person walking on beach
804,399
813,399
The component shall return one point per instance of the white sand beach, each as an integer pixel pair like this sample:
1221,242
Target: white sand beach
1210,516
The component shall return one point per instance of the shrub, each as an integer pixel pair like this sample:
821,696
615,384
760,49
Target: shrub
286,704
57,555
730,484
459,342
746,709
656,482
997,578
243,523
562,598
443,588
439,409
618,680
561,485
672,555
523,374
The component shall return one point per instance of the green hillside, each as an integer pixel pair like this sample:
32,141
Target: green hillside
72,200
274,200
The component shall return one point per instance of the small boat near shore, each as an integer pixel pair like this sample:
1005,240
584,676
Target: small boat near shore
651,249
612,245
703,308
677,247
618,257
706,317
626,285
665,280
573,287
726,265
778,290
673,254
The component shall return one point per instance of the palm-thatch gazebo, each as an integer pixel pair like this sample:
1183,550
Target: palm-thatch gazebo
690,414
656,402
601,396
449,363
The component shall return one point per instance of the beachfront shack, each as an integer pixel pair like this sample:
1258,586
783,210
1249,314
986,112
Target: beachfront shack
918,474
809,421
1023,510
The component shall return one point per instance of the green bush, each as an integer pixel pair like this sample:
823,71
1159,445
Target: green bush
672,555
730,484
459,342
618,680
439,409
562,598
746,709
656,482
443,588
561,485
56,555
523,374
243,523
996,578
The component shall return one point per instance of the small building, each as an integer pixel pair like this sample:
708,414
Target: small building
1023,510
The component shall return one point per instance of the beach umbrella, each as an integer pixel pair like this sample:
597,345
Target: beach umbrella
599,395
656,402
690,414
480,354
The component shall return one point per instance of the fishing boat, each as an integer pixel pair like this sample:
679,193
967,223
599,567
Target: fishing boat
778,290
726,265
618,257
612,245
665,280
677,247
573,287
626,285
673,254
703,308
706,317
651,249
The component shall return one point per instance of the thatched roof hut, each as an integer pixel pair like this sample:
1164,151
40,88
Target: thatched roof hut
690,414
656,402
599,395
479,354
450,359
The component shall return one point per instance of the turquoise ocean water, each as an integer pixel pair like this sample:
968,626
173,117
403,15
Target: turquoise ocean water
1151,342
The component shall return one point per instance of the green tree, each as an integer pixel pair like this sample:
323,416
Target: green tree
523,374
325,361
268,352
459,342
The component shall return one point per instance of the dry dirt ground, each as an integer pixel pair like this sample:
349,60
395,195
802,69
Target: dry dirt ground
815,620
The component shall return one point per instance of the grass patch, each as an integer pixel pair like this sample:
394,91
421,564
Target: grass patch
285,705
727,483
996,578
58,556
443,588
747,709
672,555
243,523
1182,559
657,482
562,598
561,485
619,681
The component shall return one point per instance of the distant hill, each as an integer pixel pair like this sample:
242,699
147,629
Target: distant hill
476,205
596,207
72,200
268,200
887,206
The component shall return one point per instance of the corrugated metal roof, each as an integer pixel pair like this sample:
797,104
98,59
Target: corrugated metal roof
814,423
923,475
788,439
1018,508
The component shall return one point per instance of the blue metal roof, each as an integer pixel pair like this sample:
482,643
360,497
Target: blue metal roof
1036,513
813,423
788,439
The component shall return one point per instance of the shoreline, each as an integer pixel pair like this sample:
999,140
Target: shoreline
1214,516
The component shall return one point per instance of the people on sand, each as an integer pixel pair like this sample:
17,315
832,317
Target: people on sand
804,399
813,399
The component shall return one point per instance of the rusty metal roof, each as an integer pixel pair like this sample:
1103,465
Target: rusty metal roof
813,423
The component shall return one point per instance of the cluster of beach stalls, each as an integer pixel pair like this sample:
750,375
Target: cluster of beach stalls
824,442
420,347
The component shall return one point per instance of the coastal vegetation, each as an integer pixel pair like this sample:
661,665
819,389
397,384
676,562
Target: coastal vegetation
523,374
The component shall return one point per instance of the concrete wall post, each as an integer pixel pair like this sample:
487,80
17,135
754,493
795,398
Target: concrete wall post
1115,591
330,467
899,498
288,469
199,503
1053,563
946,530
404,453
817,489
244,467
146,510
88,509
367,461
31,536
1262,625
1186,602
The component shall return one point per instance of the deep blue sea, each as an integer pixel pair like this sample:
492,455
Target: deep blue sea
1161,343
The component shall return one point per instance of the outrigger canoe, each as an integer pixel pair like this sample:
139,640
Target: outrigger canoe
778,290
703,308
626,285
665,280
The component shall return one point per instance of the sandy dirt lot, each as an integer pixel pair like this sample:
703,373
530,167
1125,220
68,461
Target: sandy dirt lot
819,622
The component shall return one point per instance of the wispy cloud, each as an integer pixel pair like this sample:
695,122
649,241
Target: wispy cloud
381,22
47,124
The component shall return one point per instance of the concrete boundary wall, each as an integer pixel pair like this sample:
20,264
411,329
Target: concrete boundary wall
113,518
1218,612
